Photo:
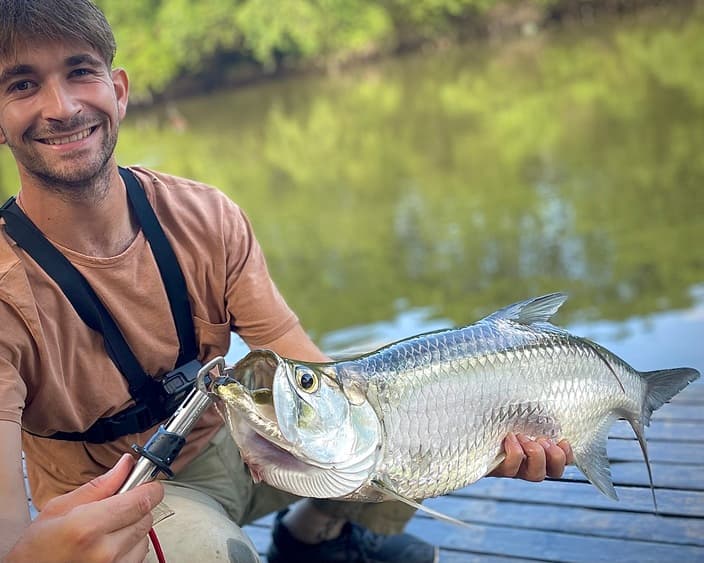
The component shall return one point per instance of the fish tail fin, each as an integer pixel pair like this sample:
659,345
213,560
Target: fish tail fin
662,386
591,459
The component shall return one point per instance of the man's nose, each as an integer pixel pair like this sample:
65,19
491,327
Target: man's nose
58,102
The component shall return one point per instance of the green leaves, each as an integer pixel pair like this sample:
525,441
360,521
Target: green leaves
160,40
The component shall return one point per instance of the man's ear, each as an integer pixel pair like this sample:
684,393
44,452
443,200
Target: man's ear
121,84
3,139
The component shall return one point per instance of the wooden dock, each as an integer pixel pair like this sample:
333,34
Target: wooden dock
568,519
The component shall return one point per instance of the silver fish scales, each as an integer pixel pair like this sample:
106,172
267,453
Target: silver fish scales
427,415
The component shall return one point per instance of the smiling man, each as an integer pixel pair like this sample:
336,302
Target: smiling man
76,393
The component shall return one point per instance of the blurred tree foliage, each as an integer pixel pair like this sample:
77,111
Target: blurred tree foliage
160,40
463,179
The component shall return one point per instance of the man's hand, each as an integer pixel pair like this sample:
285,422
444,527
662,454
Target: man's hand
90,524
533,460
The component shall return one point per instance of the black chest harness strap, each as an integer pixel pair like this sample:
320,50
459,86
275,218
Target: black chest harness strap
154,400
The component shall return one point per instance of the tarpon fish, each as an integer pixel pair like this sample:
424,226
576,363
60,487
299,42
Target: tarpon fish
428,415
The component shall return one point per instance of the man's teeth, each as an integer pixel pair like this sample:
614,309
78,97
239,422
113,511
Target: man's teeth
70,139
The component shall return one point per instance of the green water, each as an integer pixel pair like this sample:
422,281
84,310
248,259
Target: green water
432,189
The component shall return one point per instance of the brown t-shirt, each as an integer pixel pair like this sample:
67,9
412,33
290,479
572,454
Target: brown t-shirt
54,372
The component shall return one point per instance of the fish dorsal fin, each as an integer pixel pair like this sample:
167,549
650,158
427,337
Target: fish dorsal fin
381,487
535,310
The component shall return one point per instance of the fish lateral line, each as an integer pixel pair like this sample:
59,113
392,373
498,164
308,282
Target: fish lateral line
596,349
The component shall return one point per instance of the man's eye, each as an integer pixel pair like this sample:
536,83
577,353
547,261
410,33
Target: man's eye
81,72
21,86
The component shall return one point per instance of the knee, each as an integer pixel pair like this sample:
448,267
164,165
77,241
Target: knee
201,531
217,545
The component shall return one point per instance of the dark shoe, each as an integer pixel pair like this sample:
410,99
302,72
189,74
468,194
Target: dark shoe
354,545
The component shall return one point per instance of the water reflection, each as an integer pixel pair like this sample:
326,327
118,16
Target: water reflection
434,189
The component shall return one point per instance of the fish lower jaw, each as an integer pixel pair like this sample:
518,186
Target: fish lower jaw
260,455
281,469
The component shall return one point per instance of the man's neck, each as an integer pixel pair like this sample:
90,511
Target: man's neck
97,221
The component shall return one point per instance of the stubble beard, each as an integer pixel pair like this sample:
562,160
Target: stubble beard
86,182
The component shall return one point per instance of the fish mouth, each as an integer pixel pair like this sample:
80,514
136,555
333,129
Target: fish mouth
252,401
250,414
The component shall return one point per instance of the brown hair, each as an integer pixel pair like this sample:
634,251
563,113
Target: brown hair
26,22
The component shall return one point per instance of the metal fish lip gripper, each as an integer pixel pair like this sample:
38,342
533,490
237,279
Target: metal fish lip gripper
163,447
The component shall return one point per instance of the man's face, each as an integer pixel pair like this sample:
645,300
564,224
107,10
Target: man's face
60,109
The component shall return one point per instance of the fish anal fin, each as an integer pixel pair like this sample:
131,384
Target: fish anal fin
639,430
388,491
592,460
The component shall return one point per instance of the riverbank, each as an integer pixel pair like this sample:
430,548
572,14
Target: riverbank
504,21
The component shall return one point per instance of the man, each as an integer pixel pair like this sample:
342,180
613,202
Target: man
61,104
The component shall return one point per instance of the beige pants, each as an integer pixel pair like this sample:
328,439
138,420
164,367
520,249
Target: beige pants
214,495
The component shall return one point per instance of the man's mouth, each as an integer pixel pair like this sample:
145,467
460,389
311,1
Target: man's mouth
69,138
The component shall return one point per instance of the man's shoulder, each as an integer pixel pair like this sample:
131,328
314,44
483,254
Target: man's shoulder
170,187
188,209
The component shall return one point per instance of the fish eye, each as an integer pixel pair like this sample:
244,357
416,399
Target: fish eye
307,380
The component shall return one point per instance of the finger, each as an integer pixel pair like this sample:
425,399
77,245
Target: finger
126,509
564,445
106,529
513,460
533,468
123,541
101,487
127,545
102,517
138,553
555,458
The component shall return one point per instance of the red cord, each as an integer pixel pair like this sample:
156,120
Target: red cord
157,546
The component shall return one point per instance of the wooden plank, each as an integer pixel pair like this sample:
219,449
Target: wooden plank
680,411
500,532
566,493
462,556
574,520
658,451
552,546
662,430
665,476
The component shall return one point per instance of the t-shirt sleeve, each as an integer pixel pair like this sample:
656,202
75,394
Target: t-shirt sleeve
259,312
13,390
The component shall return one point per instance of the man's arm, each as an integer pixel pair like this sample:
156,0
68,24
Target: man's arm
531,460
87,524
14,510
297,345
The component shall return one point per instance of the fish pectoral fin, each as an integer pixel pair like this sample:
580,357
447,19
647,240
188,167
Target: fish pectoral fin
498,460
381,487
